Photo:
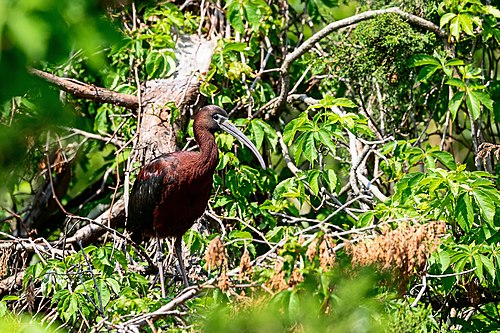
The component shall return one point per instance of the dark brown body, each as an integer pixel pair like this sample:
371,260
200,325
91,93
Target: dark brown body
172,191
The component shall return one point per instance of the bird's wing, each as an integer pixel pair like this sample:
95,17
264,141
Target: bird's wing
146,195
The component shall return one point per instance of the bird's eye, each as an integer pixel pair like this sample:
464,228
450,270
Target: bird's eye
216,117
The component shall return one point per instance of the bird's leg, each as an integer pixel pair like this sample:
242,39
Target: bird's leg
178,252
159,256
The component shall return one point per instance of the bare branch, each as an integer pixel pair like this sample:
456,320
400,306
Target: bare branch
84,90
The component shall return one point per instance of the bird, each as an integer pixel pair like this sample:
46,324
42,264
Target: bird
172,191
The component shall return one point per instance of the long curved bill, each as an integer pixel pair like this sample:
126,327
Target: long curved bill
226,125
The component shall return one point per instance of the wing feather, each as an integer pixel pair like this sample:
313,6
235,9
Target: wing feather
146,194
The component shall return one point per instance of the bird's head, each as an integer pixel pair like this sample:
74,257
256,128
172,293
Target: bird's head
214,118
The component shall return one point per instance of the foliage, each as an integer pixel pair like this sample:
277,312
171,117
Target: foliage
378,212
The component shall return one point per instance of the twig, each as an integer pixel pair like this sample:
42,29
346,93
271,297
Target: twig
94,136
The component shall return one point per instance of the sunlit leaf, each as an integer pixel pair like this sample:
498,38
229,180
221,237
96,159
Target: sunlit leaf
455,103
446,18
464,212
445,158
486,201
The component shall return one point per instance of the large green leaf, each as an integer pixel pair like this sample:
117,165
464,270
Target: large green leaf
473,105
446,18
455,103
426,72
309,148
326,138
330,179
464,213
483,98
313,180
486,199
445,158
423,59
466,23
234,15
488,264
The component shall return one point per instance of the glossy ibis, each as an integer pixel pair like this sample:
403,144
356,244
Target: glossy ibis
172,191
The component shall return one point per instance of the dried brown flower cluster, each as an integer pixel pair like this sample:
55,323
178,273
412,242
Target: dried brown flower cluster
245,266
223,282
326,255
278,282
216,254
404,249
4,260
216,258
486,149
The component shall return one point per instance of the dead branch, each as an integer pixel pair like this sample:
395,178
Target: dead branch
142,320
84,90
112,217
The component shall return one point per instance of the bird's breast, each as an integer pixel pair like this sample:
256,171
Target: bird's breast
181,206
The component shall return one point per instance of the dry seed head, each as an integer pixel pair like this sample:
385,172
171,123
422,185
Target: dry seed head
326,257
245,266
4,260
278,282
404,249
216,253
223,282
312,249
295,278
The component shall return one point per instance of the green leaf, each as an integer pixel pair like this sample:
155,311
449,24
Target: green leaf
313,180
473,105
310,152
486,200
265,131
423,59
478,264
446,18
444,260
238,234
330,178
456,83
103,293
455,28
234,15
252,14
293,126
455,103
492,11
483,98
464,213
258,133
466,23
426,72
344,102
299,147
454,62
115,286
445,158
488,264
366,219
234,46
326,138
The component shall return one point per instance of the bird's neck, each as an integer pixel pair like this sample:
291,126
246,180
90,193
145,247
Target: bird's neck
209,153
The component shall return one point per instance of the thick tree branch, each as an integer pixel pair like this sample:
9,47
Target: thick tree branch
308,44
83,90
